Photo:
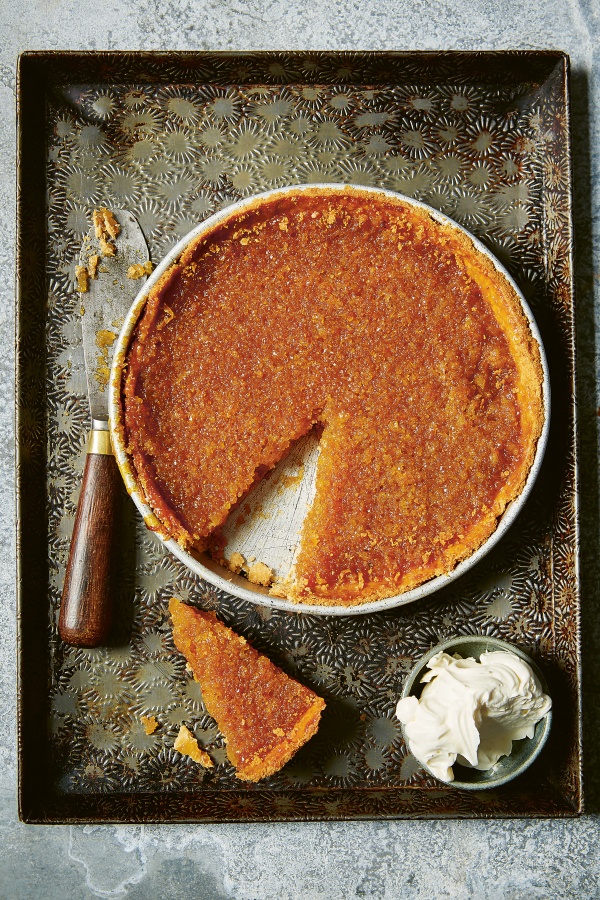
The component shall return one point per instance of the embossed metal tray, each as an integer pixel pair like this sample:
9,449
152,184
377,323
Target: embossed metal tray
484,137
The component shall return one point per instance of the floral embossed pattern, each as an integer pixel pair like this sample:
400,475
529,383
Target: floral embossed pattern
493,157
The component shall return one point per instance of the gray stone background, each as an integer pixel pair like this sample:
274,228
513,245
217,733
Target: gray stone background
494,860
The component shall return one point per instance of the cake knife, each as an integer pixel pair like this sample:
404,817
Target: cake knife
87,599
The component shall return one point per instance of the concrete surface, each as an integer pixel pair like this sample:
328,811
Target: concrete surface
495,860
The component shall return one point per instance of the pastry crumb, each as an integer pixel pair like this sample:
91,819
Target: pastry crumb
259,573
187,744
150,724
105,223
138,270
83,279
93,265
107,248
105,227
236,563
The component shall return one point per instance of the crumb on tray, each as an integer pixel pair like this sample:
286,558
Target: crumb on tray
187,744
150,724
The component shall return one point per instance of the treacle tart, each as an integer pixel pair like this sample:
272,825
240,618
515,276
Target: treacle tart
264,715
363,313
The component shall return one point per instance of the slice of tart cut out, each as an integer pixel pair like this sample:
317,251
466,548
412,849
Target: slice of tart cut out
364,314
264,715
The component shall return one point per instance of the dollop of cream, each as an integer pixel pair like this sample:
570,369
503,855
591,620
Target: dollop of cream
470,711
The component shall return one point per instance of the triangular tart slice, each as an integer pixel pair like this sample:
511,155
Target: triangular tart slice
264,715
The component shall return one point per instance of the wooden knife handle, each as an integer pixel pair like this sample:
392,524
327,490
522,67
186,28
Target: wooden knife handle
87,600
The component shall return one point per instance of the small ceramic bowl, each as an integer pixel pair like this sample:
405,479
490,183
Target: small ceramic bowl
524,752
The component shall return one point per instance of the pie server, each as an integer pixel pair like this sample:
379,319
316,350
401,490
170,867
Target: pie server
87,600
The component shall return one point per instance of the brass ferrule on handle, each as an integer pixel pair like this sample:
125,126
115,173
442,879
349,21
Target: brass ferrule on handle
99,438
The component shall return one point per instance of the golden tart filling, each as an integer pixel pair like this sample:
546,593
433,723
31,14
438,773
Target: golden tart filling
264,715
362,313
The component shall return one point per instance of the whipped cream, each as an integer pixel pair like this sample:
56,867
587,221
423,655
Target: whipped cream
471,711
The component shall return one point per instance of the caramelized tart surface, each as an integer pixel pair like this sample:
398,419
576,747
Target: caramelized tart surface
365,315
264,715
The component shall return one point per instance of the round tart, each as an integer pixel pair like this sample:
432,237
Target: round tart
362,314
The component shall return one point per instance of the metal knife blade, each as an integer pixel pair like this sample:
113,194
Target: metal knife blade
90,577
106,303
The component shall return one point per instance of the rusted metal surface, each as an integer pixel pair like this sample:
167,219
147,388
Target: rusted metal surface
174,137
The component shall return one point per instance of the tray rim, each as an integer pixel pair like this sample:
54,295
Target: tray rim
43,55
31,64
